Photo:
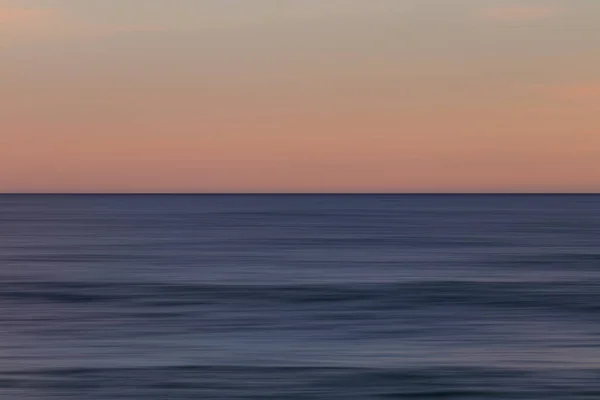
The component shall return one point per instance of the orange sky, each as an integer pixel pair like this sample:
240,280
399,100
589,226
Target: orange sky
289,96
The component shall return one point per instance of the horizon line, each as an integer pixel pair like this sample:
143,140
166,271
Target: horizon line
290,193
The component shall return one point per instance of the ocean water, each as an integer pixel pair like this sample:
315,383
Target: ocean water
476,297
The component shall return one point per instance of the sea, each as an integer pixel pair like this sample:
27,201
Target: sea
298,297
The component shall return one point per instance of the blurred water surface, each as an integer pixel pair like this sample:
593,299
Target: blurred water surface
300,297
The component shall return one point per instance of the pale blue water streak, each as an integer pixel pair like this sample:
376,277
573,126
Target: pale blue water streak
300,297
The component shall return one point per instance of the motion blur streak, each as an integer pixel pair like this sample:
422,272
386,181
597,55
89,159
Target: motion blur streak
299,297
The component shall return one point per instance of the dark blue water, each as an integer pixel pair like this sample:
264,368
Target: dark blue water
300,297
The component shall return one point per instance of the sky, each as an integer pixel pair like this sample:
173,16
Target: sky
299,96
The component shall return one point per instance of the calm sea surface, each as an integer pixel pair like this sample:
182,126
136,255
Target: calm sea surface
300,297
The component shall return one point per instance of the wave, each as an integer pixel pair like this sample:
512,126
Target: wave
249,381
568,296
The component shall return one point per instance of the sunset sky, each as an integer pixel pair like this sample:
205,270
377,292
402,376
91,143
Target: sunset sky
299,96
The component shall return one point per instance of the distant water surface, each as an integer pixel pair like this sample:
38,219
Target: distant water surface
170,297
